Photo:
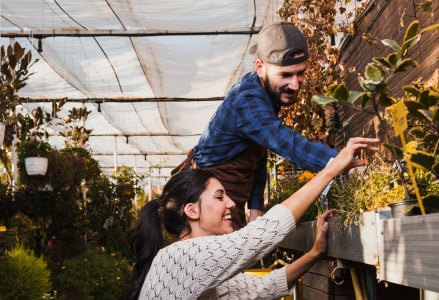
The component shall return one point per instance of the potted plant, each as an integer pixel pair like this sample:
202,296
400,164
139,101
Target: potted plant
422,113
33,155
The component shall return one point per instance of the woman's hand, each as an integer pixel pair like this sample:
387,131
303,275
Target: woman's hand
345,159
321,240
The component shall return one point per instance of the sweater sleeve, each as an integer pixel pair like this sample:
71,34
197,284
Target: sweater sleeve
227,255
250,287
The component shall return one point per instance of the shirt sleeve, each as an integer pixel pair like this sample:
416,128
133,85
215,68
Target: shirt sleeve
259,122
251,287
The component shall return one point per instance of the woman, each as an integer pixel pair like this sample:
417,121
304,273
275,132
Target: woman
208,259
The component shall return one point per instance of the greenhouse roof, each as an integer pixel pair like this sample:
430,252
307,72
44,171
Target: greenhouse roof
151,72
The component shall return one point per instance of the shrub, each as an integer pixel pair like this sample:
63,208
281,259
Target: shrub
101,276
23,275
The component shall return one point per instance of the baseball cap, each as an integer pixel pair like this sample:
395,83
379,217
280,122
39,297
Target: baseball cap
281,44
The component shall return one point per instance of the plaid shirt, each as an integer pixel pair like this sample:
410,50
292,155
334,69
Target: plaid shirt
248,115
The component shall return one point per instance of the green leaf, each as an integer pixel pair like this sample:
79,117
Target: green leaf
410,89
429,98
374,73
422,159
408,44
404,64
386,101
323,100
365,100
367,84
427,114
396,151
382,61
393,58
392,44
341,93
411,31
417,132
332,87
413,106
355,95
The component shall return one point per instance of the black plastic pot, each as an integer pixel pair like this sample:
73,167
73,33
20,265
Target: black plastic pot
405,208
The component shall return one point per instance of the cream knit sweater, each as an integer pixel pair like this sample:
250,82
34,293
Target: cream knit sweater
211,267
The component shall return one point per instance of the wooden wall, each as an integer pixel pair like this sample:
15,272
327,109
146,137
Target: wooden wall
388,19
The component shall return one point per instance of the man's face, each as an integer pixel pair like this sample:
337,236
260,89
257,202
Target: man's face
282,83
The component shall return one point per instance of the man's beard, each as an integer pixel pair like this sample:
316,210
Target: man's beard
275,96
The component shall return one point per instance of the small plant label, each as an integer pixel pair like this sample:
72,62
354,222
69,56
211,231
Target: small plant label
399,121
399,117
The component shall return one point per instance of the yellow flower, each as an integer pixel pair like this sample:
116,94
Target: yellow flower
306,176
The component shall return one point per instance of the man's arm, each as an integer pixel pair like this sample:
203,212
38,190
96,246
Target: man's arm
256,201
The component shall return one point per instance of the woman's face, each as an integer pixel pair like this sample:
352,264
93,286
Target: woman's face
215,210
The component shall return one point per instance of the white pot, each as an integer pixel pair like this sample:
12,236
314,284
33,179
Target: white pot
2,132
36,165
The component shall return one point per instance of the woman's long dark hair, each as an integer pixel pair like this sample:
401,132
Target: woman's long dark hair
146,237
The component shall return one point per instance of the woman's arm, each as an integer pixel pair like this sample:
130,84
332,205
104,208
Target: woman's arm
299,202
300,266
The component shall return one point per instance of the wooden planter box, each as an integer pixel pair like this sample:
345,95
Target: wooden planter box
404,251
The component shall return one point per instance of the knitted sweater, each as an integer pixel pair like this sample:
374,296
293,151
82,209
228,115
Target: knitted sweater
210,267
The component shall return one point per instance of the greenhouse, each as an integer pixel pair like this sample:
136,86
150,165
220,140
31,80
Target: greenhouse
111,97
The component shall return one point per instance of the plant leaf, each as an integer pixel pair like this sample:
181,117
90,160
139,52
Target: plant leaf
410,89
383,61
405,63
408,44
323,100
422,160
354,96
374,73
411,31
341,93
392,44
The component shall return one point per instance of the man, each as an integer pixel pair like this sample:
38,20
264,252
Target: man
234,145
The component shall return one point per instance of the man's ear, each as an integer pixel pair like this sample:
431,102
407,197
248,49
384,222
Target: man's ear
192,210
259,66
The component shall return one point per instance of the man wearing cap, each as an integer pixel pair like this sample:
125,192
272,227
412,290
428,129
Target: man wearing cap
234,144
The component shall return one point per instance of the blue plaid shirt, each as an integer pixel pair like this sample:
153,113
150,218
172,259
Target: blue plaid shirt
248,115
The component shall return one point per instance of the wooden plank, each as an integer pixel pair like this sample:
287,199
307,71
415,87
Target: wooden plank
356,242
408,250
312,294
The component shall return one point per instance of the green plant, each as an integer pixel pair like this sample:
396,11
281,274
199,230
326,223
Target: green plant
282,189
375,97
422,102
92,274
23,276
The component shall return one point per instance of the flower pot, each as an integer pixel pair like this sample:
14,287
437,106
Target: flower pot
2,132
405,208
36,165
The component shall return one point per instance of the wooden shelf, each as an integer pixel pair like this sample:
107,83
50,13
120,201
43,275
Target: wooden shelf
404,251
